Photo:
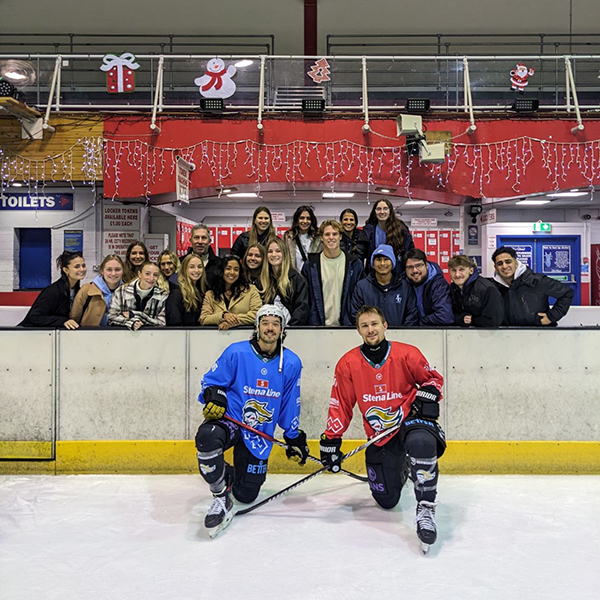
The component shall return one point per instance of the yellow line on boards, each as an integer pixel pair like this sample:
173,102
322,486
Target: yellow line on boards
179,456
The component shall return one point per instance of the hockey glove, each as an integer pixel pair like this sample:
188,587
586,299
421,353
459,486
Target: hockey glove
426,404
331,455
215,401
297,449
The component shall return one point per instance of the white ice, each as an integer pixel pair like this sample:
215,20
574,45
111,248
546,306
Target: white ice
141,538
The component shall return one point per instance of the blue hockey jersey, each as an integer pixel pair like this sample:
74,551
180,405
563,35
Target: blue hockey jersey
257,394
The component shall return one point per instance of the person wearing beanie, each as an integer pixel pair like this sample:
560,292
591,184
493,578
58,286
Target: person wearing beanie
383,287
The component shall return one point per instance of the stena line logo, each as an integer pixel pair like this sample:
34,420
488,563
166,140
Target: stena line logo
36,202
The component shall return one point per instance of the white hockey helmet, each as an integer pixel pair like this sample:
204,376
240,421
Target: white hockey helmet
270,310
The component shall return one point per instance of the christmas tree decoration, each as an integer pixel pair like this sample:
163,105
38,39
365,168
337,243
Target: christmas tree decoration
217,82
120,72
320,71
519,77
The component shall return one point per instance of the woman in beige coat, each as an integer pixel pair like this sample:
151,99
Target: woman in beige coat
231,301
90,306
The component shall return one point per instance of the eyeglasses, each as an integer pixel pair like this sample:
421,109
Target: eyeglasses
415,267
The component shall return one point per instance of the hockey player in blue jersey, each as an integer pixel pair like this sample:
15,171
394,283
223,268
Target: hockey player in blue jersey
249,384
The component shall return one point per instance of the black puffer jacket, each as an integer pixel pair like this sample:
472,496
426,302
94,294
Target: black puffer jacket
528,295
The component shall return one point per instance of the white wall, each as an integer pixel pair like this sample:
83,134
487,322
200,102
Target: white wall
84,217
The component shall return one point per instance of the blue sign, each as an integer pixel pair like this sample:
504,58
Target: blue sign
473,235
524,253
556,258
73,240
36,202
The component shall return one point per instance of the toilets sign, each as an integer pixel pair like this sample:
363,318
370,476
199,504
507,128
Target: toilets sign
36,201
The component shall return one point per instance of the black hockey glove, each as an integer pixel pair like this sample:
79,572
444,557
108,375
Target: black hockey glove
215,403
426,404
298,449
331,455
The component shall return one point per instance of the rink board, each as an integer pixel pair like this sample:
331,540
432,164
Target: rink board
120,401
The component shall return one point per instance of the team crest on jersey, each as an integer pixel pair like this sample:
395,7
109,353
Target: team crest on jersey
383,418
379,376
381,388
256,413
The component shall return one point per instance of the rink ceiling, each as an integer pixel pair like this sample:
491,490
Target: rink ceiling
101,401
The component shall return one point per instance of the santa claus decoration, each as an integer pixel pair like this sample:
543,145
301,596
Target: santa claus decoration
519,77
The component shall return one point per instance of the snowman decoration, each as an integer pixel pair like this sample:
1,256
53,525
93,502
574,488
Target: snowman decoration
519,77
217,82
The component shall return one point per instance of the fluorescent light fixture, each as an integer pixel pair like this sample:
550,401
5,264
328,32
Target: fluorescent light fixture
567,194
240,64
14,75
384,190
243,195
533,202
15,184
417,202
338,194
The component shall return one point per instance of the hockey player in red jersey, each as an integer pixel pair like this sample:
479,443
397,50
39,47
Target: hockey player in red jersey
392,383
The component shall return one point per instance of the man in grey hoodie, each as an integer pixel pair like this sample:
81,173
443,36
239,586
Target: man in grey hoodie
432,290
526,293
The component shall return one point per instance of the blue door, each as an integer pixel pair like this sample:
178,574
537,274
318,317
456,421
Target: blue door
558,256
35,260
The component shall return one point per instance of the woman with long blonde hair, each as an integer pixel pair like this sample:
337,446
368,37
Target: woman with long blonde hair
283,285
185,301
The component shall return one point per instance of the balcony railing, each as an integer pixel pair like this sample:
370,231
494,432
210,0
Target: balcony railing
270,83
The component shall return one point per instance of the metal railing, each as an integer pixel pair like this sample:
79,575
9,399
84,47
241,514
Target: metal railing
362,84
459,44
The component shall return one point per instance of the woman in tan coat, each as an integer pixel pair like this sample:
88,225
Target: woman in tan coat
231,301
90,307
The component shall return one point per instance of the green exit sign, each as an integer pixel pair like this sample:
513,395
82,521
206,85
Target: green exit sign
545,227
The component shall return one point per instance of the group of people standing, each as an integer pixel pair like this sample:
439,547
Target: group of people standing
317,275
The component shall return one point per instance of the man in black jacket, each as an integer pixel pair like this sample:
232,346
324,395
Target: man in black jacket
331,276
475,300
200,241
526,293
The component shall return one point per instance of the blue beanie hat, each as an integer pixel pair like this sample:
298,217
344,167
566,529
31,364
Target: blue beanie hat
384,250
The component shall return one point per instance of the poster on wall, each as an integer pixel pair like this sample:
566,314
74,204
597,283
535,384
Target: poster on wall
556,258
120,217
183,230
116,242
73,240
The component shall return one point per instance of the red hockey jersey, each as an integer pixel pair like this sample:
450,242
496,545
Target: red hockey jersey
384,393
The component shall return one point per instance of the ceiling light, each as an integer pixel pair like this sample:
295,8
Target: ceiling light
240,64
15,184
338,194
567,194
14,75
243,195
533,202
417,202
384,190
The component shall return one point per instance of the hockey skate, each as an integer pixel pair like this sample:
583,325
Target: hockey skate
426,528
219,514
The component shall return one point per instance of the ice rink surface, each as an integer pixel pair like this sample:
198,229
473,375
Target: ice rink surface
100,537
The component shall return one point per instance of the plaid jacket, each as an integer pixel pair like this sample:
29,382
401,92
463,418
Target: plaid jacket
151,312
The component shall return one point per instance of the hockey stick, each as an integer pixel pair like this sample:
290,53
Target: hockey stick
378,437
286,446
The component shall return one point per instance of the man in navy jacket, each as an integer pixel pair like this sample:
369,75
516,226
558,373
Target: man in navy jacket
431,289
387,290
331,276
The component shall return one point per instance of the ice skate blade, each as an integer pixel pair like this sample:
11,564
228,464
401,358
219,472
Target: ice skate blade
213,532
424,548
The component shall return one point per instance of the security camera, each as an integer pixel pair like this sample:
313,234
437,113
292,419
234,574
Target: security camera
586,217
474,212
